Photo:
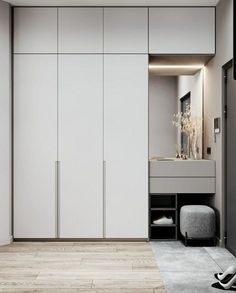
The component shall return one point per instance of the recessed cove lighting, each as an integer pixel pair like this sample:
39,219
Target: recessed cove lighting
198,66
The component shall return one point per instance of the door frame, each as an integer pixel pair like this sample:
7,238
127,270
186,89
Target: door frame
225,68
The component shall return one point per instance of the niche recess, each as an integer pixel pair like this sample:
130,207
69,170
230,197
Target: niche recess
170,79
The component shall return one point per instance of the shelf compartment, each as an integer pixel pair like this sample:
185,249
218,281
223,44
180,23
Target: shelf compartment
162,209
163,233
163,201
165,225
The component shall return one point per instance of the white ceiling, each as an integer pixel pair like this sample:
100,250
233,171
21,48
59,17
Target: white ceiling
113,2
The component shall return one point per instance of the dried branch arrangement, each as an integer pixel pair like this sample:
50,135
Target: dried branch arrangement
192,127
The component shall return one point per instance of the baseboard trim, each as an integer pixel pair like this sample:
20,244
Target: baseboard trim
6,241
80,240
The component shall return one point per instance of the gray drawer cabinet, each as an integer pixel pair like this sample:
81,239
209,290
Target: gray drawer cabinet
180,176
182,185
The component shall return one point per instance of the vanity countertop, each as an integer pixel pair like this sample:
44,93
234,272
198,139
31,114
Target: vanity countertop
167,159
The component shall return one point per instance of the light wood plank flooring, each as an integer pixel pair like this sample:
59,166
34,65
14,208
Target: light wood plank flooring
83,267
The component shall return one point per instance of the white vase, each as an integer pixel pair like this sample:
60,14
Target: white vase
193,148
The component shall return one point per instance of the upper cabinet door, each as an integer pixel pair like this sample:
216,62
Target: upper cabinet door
35,30
182,30
80,30
126,30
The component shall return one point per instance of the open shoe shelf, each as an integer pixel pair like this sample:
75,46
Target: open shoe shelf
160,205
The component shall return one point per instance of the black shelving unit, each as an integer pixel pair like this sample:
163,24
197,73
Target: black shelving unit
159,205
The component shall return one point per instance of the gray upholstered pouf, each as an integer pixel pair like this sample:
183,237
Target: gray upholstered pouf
198,221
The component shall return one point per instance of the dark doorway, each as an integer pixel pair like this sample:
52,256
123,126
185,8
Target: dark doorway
230,157
185,102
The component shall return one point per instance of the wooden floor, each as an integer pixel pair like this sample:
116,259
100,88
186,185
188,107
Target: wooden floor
79,267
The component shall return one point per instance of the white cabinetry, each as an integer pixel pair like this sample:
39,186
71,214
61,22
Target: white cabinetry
125,30
35,30
182,30
35,145
81,146
80,30
81,123
126,145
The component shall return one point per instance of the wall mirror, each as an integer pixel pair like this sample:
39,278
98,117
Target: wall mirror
175,85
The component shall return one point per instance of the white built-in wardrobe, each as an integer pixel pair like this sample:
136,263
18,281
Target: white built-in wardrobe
80,123
81,114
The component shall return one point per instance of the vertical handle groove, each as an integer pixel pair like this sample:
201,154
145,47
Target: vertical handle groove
104,199
57,200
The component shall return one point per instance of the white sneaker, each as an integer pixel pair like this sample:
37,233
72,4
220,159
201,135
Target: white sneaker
163,221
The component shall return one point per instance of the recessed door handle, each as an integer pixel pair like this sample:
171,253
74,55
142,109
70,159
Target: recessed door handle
57,199
104,198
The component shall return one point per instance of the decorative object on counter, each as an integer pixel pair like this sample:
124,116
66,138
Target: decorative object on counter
191,126
164,221
161,159
184,157
178,151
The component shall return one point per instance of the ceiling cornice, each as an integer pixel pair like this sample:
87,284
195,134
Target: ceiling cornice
113,2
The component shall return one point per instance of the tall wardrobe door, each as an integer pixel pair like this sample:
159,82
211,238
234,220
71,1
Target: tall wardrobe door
81,146
126,145
35,145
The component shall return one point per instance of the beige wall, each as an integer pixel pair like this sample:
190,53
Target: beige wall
213,99
5,124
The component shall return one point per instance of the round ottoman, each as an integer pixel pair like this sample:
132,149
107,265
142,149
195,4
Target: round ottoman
197,222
